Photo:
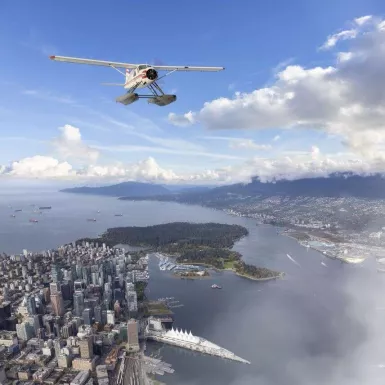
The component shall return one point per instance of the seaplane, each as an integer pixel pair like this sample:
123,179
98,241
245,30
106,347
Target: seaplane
139,76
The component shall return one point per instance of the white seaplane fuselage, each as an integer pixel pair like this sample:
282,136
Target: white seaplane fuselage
140,77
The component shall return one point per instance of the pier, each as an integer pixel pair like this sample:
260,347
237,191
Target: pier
188,341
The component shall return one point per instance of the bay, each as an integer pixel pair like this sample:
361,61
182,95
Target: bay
317,325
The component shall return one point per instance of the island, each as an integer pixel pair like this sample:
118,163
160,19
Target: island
206,244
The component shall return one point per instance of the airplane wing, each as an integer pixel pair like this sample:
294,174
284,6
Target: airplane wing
187,68
92,62
129,65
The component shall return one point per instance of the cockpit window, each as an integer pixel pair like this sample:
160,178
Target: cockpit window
142,67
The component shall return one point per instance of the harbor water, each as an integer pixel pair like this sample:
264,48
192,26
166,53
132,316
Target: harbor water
320,324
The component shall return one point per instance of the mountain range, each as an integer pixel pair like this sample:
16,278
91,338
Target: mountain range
132,189
336,185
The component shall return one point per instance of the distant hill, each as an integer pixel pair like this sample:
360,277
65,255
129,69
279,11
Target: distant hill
336,185
182,188
131,189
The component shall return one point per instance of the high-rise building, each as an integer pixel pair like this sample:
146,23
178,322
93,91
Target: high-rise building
25,331
34,322
132,335
117,309
66,331
111,317
54,287
87,316
86,347
132,302
57,304
31,305
66,291
57,344
104,317
98,313
57,274
78,303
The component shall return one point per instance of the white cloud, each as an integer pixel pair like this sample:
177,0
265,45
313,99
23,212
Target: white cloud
248,144
315,152
308,164
69,145
182,120
38,166
276,137
343,35
363,19
346,100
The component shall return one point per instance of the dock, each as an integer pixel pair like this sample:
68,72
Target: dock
188,341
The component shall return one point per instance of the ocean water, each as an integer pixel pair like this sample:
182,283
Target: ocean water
317,325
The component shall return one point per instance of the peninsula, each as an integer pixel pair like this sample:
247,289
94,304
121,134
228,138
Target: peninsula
207,244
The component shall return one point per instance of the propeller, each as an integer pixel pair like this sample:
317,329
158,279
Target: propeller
158,62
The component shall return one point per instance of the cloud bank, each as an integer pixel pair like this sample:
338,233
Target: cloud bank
310,164
346,99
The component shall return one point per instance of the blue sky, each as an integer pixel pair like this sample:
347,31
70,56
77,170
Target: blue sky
254,40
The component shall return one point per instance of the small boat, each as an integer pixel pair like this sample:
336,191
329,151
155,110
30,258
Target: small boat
33,220
118,215
91,220
17,210
45,207
13,216
215,286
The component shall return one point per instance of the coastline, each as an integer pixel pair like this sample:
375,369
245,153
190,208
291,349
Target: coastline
280,275
348,260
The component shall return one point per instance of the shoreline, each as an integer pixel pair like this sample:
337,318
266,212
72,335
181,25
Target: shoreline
348,260
280,275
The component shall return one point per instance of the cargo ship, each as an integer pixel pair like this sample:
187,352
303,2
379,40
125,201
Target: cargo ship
45,208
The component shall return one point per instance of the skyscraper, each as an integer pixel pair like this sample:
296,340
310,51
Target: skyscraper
86,347
111,317
132,335
56,273
78,303
57,304
87,316
31,305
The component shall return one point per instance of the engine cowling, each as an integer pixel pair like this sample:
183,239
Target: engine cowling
151,74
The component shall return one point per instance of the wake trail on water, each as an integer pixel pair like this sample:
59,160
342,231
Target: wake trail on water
324,264
293,260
